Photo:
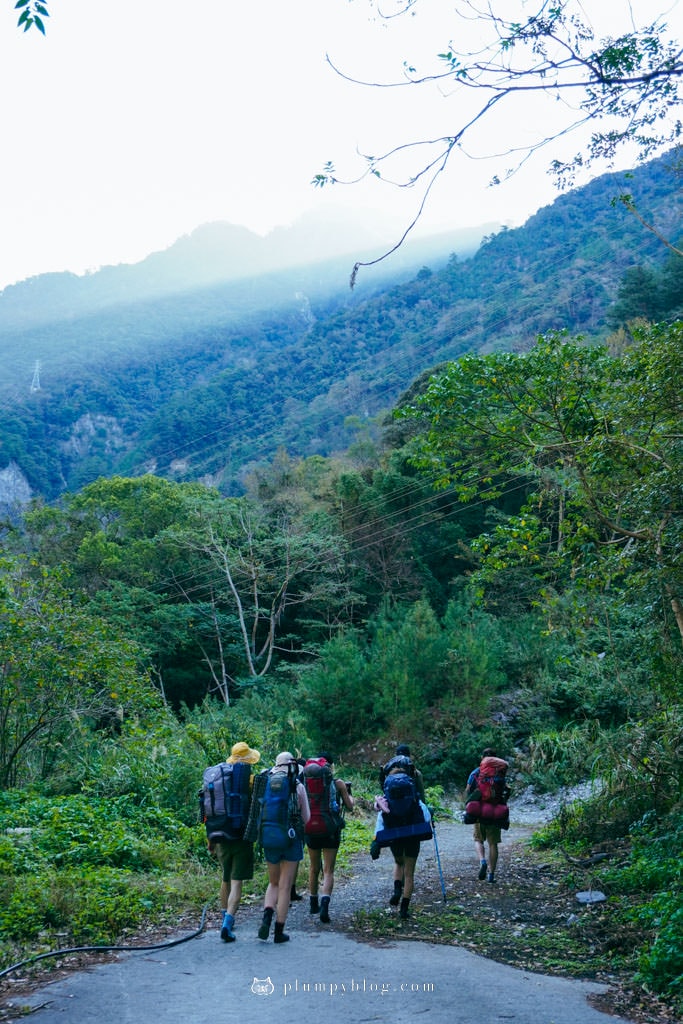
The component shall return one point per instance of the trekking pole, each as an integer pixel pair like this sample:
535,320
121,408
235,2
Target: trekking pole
438,861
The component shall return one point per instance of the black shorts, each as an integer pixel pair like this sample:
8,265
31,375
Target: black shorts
328,842
408,847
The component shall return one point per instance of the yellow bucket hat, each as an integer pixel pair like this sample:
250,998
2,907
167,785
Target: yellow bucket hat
244,753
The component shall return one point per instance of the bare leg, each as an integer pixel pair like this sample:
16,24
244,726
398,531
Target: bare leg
287,873
313,871
399,869
235,896
272,891
408,876
329,861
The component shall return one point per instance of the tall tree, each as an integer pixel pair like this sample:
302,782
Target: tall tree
215,589
265,565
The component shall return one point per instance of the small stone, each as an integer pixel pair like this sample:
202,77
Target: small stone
591,896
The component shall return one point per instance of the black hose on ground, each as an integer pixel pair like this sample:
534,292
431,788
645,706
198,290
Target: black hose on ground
107,949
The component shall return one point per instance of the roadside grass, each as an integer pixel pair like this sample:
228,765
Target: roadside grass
96,871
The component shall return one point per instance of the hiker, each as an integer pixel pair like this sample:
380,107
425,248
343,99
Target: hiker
284,813
235,855
412,818
326,796
486,832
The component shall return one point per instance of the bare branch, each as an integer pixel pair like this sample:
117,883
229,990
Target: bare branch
627,86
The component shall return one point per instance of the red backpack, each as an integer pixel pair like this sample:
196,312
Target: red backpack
491,781
488,802
326,816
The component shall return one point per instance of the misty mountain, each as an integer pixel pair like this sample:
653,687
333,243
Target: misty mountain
317,251
203,383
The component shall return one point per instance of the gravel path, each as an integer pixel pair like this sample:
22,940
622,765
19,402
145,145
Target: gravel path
368,884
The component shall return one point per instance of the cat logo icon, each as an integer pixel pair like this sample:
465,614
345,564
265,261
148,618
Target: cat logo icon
263,987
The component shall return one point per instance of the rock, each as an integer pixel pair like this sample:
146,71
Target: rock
591,896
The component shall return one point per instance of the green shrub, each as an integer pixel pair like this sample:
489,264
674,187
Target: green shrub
72,830
337,695
661,964
562,757
649,886
453,745
86,905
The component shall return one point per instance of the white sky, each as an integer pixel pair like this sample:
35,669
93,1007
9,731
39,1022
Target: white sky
134,121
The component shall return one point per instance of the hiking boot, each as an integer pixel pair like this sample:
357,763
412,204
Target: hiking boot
315,906
227,933
280,934
325,910
482,871
294,895
375,849
396,898
490,877
403,909
264,930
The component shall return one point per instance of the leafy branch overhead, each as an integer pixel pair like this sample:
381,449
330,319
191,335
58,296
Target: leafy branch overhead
32,14
614,91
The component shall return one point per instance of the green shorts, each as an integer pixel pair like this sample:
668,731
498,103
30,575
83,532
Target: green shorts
237,860
483,832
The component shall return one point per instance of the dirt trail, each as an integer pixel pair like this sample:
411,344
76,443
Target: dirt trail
369,885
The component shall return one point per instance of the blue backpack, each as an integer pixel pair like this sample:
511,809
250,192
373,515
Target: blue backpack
401,761
405,818
400,792
278,809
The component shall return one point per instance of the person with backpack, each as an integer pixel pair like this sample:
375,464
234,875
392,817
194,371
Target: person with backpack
225,800
327,797
487,783
284,812
403,822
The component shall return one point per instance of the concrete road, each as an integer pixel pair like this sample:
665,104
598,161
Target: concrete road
316,976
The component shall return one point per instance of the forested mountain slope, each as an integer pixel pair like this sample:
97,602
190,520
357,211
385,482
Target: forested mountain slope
200,384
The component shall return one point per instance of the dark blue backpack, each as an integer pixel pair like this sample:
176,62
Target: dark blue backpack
400,792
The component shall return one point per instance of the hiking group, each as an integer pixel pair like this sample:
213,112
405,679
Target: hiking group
299,804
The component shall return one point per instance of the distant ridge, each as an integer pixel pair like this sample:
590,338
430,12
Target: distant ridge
205,383
220,253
